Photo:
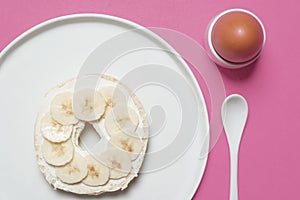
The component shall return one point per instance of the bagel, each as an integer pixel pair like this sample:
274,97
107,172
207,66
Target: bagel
115,113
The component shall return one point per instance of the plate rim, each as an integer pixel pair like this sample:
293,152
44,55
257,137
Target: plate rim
14,43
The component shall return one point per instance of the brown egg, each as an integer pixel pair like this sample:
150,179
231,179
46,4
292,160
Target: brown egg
237,37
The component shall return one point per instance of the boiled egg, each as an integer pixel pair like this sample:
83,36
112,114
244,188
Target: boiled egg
237,37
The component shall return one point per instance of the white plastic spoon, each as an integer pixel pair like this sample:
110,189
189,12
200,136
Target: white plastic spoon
234,117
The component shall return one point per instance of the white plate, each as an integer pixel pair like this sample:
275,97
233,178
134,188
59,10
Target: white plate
54,51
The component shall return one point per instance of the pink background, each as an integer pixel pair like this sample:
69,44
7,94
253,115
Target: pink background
269,154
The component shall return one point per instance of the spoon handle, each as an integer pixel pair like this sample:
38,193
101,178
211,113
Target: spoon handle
233,174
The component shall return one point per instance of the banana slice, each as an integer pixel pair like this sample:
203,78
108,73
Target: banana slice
118,161
113,96
122,119
88,105
61,109
53,131
74,172
98,174
57,154
131,145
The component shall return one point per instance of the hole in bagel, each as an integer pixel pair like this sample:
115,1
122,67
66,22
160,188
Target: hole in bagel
89,137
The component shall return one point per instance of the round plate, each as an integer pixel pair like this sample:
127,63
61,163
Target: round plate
55,51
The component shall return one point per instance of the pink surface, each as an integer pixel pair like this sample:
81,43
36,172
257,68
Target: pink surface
269,154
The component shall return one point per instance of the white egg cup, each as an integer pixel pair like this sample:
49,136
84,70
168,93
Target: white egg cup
212,52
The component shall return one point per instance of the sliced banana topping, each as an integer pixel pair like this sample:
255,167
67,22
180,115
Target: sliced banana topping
113,96
98,174
54,131
61,109
131,145
122,119
74,172
118,161
88,104
57,154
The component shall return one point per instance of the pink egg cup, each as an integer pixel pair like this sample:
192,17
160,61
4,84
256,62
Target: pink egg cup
215,56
